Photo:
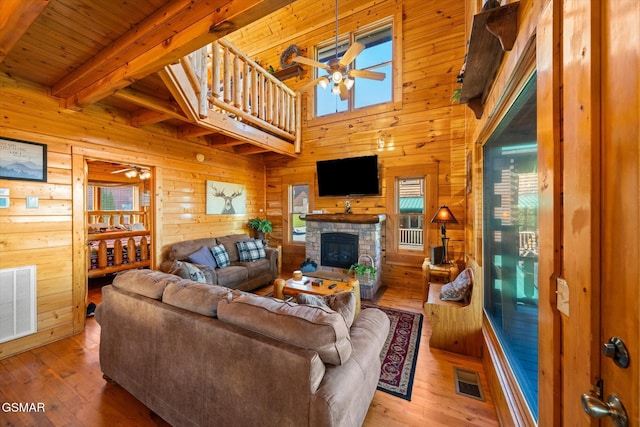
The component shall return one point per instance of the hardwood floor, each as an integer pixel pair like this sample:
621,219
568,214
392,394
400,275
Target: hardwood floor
65,376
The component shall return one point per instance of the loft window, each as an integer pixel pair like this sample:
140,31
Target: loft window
377,56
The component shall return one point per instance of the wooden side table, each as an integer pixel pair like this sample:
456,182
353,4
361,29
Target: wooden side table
437,273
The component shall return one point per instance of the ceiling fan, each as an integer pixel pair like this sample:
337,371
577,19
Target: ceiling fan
339,75
132,171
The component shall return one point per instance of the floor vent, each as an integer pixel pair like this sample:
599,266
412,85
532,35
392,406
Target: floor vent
17,302
468,383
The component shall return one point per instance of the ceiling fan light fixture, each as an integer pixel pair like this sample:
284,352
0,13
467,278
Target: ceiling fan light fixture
348,83
336,89
145,175
336,76
324,82
131,174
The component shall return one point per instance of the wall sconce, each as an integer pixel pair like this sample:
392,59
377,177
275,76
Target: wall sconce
380,144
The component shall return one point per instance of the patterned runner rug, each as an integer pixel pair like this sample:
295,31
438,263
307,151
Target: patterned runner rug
400,352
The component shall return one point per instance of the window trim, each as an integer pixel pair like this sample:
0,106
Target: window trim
287,183
395,21
395,255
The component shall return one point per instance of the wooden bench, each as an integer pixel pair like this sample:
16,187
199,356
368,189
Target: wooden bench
455,325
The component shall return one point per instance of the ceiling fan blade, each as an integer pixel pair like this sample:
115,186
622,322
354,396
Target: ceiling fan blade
366,74
307,61
312,83
122,170
344,92
351,53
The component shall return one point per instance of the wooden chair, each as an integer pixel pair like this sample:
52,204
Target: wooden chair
455,325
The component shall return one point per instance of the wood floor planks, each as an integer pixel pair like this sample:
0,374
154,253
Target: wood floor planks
66,377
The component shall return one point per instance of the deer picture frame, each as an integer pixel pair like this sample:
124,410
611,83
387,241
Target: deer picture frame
225,198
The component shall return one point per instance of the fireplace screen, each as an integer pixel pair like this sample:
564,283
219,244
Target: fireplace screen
338,249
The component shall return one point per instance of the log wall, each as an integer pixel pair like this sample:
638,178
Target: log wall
53,238
421,127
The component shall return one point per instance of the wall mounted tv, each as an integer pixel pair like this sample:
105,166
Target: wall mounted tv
353,176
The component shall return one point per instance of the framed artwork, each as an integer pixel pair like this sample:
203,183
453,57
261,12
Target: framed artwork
225,198
23,160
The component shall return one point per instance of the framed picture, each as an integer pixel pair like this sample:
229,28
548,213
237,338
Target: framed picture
23,160
225,198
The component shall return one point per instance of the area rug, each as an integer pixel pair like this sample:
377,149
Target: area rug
400,352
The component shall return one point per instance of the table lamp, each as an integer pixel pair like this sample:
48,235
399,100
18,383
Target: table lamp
444,216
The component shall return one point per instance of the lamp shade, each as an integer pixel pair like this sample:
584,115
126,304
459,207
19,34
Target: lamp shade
444,215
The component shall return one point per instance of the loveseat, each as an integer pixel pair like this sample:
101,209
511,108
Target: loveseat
204,355
194,259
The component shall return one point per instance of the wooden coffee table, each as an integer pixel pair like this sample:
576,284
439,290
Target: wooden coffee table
291,288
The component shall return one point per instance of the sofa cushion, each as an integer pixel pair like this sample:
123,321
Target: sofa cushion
232,276
203,256
229,243
343,303
148,283
256,268
316,328
197,297
221,255
250,250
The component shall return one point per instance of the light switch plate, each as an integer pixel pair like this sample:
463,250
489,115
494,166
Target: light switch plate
563,296
32,202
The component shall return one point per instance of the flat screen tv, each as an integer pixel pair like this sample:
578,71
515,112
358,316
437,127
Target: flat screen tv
353,176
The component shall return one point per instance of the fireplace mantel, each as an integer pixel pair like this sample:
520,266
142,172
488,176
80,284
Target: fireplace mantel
346,218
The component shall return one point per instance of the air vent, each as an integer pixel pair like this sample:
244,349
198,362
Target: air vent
17,302
468,383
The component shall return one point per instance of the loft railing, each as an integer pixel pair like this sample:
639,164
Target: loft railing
229,82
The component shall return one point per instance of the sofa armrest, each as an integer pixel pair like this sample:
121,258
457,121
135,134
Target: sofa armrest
272,256
347,390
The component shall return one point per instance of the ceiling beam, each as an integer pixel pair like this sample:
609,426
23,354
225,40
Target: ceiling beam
163,38
146,117
151,102
16,16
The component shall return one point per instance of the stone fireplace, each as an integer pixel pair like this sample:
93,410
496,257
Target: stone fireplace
331,239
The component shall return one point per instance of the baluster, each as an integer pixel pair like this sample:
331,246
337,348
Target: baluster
131,250
102,254
117,253
215,70
246,87
144,250
237,82
226,91
255,92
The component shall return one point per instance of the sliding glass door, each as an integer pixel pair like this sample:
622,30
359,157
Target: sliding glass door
511,239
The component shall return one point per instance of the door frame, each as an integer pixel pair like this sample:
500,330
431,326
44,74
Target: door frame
79,157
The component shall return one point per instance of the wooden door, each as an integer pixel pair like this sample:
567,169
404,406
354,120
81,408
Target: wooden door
600,256
620,188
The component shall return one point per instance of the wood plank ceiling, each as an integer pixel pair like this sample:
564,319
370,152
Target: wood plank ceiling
110,51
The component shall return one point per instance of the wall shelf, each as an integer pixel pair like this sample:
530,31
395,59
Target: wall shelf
492,33
289,72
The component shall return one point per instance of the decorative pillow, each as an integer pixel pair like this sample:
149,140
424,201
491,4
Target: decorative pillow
343,303
194,272
250,250
221,256
203,256
458,289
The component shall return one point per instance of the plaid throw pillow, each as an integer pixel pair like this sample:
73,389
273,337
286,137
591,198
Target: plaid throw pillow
220,255
250,250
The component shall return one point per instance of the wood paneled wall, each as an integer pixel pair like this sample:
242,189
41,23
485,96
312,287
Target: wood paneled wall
421,127
45,236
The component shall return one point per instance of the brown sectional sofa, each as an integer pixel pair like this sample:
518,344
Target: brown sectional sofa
245,276
203,355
